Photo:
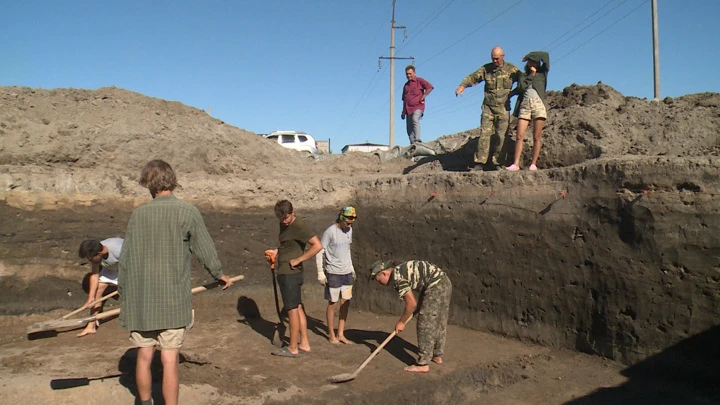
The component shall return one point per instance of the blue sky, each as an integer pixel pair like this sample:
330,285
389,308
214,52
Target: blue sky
313,65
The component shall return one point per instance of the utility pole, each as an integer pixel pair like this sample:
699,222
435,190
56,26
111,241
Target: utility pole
656,51
392,58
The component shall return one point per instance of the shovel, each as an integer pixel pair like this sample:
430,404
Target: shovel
64,383
279,331
345,377
69,324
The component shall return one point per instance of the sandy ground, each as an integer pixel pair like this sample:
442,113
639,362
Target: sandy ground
226,360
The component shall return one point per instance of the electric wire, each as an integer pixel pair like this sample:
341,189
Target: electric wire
435,14
591,24
642,3
578,24
474,31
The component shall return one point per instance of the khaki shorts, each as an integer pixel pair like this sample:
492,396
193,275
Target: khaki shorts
168,339
532,108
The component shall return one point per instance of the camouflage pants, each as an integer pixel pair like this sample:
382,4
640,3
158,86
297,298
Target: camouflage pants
432,320
494,124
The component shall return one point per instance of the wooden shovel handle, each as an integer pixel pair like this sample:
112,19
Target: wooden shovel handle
80,322
376,351
84,307
195,290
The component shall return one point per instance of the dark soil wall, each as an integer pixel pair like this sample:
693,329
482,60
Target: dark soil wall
624,265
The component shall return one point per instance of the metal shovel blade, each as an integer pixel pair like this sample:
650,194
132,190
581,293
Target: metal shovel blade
341,378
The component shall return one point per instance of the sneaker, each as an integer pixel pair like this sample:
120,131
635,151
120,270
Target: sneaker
533,168
513,168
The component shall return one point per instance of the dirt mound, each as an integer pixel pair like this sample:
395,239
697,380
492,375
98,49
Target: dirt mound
589,122
117,131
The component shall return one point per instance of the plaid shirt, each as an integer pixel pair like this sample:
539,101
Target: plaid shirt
154,276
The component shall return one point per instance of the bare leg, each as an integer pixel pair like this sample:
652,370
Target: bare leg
143,376
331,322
304,343
537,138
171,379
294,320
91,327
344,307
521,129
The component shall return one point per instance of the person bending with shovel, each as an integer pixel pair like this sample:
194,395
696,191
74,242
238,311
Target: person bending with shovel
434,304
336,272
103,257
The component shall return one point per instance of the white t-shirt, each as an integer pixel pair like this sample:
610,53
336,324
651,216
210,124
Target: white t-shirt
336,243
109,266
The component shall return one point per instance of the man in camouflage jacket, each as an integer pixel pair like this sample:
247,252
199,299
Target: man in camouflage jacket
434,301
499,77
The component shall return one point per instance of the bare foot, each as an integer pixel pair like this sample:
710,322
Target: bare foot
334,340
89,330
437,360
304,349
417,369
344,340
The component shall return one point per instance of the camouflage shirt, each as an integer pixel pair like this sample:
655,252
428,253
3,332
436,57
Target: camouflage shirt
498,82
415,275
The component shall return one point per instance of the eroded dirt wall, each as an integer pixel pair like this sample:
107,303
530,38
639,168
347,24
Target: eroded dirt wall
621,259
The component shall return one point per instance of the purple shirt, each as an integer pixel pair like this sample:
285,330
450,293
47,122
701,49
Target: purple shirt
412,91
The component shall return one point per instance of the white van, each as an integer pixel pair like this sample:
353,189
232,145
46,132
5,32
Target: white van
299,141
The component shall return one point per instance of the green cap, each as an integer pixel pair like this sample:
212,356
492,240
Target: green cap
379,266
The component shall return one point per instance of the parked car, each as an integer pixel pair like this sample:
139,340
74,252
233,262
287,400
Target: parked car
296,140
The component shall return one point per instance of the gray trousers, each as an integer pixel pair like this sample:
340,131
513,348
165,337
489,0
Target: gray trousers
432,320
412,123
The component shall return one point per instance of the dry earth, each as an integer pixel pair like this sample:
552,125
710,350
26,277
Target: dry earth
593,281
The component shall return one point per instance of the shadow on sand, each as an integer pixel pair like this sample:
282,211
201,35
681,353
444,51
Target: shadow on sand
686,373
248,309
398,347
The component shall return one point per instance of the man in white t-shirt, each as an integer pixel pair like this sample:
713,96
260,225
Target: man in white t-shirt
103,256
336,272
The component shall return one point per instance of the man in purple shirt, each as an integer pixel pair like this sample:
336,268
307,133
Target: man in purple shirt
414,93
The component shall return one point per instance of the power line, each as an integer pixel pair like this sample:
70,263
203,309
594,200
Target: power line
642,3
594,21
474,31
362,98
579,24
372,79
435,14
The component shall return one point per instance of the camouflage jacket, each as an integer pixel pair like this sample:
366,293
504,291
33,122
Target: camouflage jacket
498,82
415,275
